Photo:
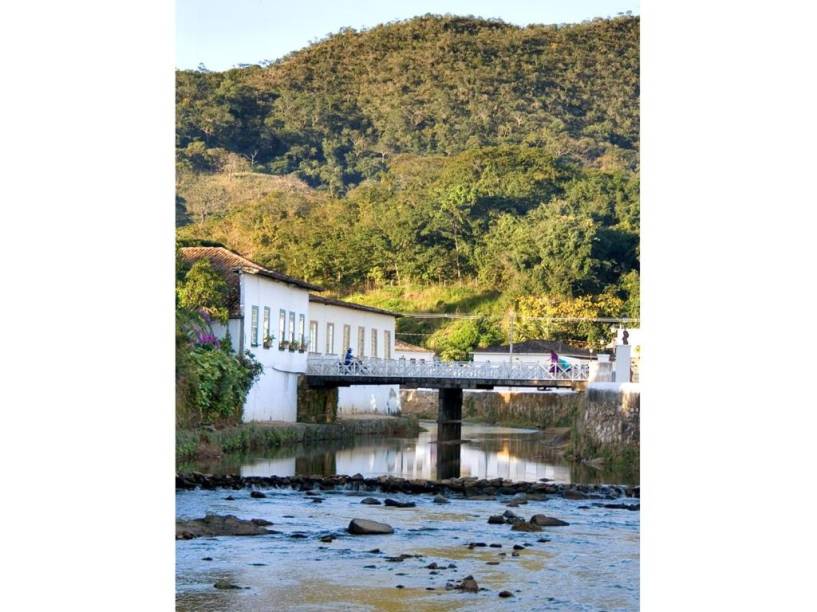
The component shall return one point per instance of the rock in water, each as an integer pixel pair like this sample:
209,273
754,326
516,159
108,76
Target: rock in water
218,525
367,527
547,521
496,519
370,501
257,494
505,594
398,504
439,499
469,585
223,584
528,527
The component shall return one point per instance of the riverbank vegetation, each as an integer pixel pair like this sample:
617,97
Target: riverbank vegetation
438,164
205,443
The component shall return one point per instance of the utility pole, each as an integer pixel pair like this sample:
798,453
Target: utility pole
510,339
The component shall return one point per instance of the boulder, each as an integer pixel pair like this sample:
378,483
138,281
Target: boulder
257,494
496,519
573,494
439,499
223,584
367,527
468,584
527,527
370,501
547,521
398,504
220,525
504,594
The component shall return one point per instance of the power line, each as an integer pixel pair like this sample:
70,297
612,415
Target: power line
435,315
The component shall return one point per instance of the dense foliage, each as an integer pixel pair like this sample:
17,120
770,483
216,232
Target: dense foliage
428,152
337,111
212,382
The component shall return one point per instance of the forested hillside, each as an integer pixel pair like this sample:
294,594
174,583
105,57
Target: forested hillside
494,160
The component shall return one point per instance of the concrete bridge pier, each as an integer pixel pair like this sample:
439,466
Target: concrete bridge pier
449,414
449,430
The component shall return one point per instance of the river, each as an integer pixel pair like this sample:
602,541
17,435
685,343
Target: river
592,564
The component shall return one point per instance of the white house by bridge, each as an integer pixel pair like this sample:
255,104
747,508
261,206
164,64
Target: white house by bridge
334,326
275,317
262,304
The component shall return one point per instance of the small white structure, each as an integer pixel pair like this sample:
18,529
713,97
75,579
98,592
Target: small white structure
264,304
334,326
533,351
404,350
628,356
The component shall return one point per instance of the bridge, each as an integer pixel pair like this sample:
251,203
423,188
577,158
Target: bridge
450,377
330,372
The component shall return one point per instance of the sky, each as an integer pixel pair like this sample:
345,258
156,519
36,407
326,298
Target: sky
223,33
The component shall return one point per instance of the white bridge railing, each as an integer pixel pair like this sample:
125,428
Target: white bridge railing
410,368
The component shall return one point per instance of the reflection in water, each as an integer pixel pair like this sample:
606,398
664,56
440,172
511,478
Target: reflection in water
485,452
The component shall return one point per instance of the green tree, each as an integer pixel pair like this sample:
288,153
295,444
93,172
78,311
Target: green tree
204,290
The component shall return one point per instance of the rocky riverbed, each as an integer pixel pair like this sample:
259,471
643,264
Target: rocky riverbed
321,543
469,487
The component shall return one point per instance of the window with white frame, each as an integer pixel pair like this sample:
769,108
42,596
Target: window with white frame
291,326
361,341
301,339
265,337
254,327
387,344
282,326
330,338
374,342
347,338
313,336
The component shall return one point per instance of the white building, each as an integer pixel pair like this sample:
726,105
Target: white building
273,316
404,350
533,351
334,326
264,304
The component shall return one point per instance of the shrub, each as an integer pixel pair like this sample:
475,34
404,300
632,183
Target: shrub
223,381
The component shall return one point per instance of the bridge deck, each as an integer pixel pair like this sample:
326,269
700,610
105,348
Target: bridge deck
329,372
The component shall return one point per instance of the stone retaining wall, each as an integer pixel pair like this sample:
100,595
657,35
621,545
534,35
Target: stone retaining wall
316,405
604,419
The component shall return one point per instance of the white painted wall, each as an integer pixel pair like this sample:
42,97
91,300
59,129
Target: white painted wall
234,327
526,358
427,355
543,358
274,395
384,399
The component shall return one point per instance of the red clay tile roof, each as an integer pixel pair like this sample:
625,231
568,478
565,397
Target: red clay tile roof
227,263
319,299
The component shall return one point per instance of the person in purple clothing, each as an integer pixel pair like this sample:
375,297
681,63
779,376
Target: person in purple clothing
554,362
